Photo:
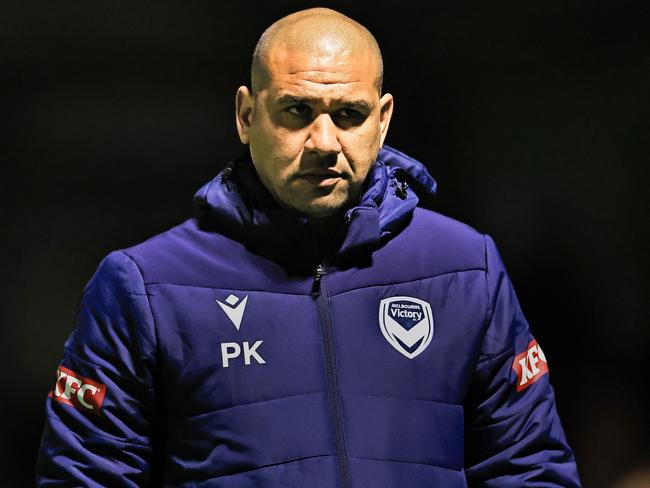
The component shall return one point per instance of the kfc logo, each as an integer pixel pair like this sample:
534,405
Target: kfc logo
530,366
77,391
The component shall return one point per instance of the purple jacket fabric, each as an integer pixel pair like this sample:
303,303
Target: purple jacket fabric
232,351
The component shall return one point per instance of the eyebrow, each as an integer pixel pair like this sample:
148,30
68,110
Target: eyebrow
354,103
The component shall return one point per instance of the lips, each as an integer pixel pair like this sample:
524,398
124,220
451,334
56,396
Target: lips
322,178
329,173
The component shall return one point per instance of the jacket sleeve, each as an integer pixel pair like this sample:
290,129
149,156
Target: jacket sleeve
101,411
513,433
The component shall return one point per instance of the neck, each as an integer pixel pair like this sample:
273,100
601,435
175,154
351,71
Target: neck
326,224
324,233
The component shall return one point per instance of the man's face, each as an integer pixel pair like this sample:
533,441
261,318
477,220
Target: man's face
315,127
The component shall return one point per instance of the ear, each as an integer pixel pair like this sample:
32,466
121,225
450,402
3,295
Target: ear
386,112
244,105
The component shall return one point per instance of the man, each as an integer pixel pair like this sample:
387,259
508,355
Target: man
311,326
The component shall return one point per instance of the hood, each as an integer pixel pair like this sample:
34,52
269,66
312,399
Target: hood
237,204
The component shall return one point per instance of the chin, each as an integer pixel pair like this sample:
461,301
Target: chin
322,211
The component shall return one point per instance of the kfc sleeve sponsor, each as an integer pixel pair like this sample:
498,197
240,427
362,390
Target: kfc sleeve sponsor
530,365
77,391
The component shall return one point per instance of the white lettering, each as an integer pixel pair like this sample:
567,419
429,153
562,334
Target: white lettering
57,391
225,355
526,374
251,352
406,314
533,359
82,392
69,390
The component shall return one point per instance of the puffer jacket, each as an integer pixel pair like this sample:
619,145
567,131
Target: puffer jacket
231,352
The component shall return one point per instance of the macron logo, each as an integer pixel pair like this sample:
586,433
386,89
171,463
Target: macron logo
234,308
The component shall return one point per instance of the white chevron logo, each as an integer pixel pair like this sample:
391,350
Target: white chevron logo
408,337
234,309
406,321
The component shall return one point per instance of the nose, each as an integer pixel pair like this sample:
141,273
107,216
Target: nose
323,137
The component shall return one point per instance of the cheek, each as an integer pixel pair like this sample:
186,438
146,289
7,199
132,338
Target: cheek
364,137
361,150
277,155
278,143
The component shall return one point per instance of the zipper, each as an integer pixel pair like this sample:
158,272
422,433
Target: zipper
321,297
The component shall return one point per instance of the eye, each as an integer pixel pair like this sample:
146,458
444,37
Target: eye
348,118
349,113
300,110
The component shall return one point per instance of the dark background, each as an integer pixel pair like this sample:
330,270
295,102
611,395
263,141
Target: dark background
533,117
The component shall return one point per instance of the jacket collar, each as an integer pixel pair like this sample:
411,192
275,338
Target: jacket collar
237,203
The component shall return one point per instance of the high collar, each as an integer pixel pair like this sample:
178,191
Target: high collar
237,203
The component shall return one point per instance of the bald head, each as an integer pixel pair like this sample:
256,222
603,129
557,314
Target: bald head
315,117
321,31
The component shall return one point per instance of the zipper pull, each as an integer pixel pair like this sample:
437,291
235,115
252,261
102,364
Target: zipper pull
319,272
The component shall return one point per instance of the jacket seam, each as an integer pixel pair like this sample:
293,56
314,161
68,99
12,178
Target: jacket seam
154,335
98,366
488,310
459,469
493,357
451,404
85,438
408,281
272,465
216,410
229,407
490,313
224,288
308,293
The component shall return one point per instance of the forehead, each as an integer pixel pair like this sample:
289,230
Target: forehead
329,70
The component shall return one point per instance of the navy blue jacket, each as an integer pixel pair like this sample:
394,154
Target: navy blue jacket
232,351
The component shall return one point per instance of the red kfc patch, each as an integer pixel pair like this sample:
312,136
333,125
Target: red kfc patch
80,392
530,365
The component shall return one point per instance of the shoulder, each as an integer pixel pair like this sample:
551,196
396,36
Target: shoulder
441,244
430,222
178,254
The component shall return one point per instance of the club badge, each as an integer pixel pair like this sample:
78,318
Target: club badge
407,324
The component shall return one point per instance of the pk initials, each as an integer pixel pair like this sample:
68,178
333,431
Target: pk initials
231,350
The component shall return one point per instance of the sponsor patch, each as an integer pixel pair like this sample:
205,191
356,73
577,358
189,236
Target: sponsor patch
530,365
407,324
77,391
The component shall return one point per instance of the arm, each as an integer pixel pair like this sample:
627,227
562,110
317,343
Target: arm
101,412
513,432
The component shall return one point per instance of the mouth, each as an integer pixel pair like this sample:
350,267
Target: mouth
322,178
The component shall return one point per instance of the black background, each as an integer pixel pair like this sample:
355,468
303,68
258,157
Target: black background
533,118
